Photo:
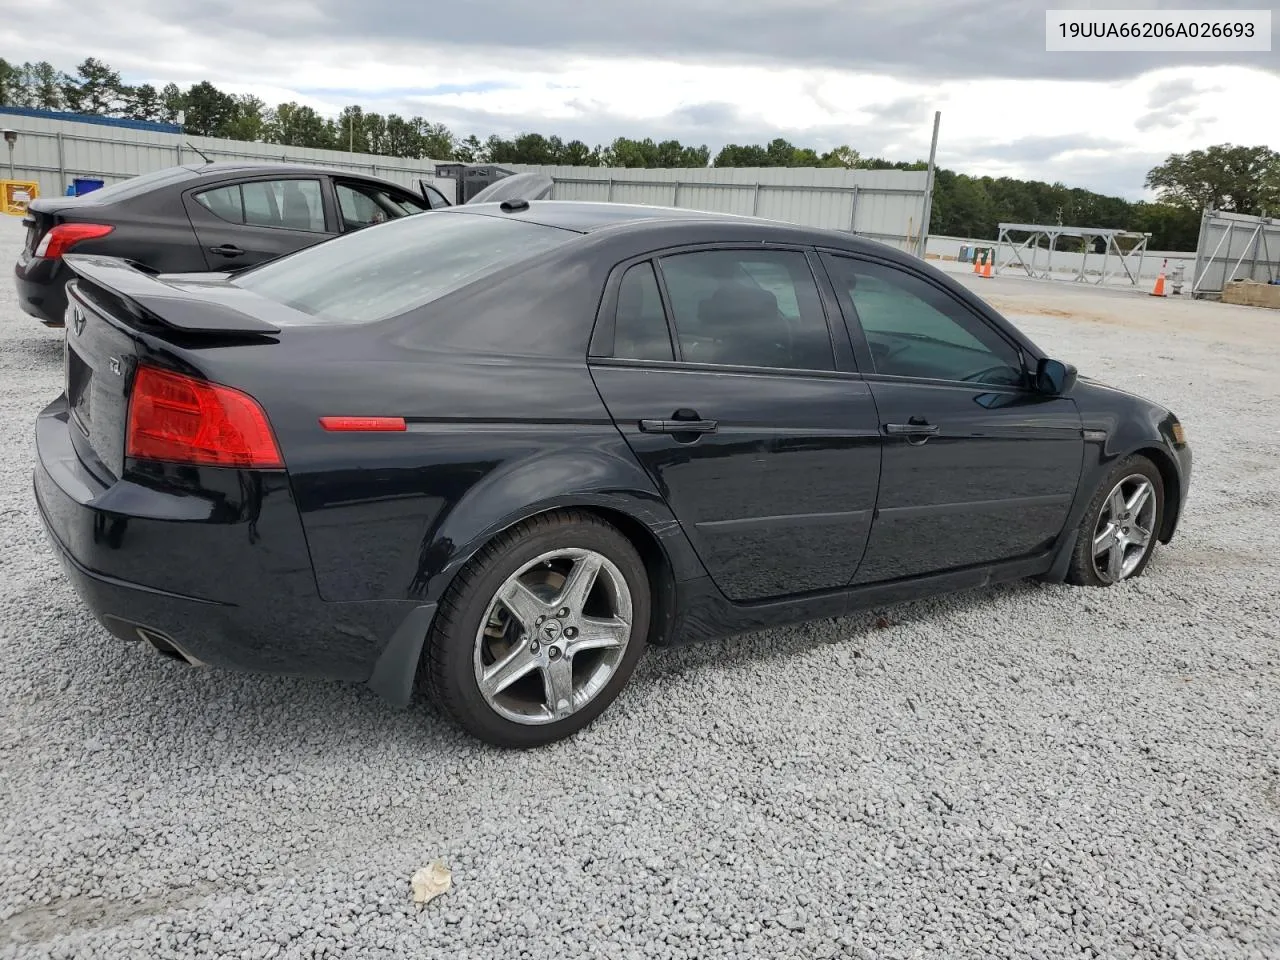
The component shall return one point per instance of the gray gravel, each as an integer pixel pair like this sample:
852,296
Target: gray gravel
1030,772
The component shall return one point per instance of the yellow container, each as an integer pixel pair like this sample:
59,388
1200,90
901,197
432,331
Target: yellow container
16,194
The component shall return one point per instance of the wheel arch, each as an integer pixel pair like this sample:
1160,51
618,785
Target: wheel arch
1171,482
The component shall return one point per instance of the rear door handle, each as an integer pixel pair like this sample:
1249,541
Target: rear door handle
916,432
227,250
678,426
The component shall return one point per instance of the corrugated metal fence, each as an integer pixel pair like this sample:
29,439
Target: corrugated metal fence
1234,246
885,205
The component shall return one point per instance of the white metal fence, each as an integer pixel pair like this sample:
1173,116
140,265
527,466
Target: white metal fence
885,205
1234,247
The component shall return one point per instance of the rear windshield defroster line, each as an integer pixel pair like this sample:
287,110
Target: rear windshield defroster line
386,270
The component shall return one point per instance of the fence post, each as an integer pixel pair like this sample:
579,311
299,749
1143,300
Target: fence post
609,196
755,201
62,164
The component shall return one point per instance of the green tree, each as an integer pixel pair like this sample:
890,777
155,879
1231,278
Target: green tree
172,102
1224,177
209,111
295,125
436,141
247,120
11,91
94,88
144,103
736,155
470,150
842,156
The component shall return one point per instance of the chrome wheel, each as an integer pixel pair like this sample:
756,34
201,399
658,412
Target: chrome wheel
553,635
1126,525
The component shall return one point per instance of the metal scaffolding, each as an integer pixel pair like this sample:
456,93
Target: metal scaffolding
1038,233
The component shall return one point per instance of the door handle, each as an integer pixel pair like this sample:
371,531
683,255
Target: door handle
227,250
678,426
916,432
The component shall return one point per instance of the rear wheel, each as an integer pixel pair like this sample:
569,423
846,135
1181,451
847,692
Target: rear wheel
1119,529
540,631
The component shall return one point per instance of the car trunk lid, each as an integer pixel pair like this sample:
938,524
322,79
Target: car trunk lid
116,315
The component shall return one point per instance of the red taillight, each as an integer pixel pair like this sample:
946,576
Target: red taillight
66,235
363,424
180,419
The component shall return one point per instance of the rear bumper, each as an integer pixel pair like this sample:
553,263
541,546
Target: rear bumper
230,587
42,289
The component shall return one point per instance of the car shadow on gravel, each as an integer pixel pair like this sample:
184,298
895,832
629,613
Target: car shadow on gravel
256,717
856,630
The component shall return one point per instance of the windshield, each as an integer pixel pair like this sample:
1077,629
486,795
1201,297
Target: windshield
389,269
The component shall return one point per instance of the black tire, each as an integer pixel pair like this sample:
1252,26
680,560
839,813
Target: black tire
1083,571
451,643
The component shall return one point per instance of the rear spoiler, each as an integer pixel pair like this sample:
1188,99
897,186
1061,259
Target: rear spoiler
164,303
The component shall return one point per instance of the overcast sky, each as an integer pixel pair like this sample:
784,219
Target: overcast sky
821,73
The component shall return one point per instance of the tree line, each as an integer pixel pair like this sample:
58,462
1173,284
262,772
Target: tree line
1227,177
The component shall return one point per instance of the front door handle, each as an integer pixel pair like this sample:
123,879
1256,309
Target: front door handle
227,250
678,426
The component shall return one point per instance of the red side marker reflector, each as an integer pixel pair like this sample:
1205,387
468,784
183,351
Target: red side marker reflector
363,424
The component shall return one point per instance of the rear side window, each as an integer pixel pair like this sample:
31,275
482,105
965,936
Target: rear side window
287,204
758,308
394,267
640,331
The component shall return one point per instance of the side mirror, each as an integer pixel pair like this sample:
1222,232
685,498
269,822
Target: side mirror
1054,377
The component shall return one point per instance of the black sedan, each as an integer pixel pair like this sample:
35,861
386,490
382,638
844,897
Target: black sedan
207,217
510,445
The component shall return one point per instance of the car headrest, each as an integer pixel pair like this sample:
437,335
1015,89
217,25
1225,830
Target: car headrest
736,305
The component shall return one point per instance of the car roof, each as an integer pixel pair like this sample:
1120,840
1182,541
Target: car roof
221,167
585,216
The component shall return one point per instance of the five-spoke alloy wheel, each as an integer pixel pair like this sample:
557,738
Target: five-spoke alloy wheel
1121,525
541,630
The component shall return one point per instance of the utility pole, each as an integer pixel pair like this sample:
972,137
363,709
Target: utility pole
928,192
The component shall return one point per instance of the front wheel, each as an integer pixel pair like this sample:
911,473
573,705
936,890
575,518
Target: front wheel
1119,530
540,631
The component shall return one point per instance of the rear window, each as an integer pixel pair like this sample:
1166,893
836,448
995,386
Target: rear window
141,184
386,270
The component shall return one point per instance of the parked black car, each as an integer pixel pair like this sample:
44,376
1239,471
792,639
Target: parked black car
516,443
206,217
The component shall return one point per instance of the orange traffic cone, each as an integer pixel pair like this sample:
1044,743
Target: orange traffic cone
986,266
1158,290
977,261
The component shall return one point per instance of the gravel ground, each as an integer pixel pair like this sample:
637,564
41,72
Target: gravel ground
1031,771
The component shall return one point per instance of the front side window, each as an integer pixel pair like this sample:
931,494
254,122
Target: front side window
916,330
374,274
758,308
362,205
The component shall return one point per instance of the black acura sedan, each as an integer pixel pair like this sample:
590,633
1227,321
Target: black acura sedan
510,445
203,217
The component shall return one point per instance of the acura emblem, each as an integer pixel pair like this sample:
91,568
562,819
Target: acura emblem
115,366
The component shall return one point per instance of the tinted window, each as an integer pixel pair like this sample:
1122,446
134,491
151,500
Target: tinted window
915,329
374,274
289,204
748,307
640,332
224,202
438,199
